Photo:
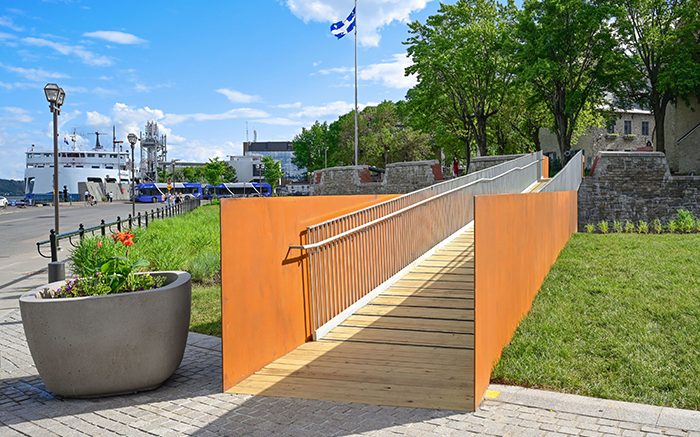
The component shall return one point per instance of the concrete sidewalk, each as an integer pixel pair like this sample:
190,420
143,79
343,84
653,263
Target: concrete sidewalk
191,403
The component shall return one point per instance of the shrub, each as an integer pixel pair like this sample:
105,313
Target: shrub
643,227
657,226
603,227
629,227
590,228
205,266
685,221
672,227
697,225
617,226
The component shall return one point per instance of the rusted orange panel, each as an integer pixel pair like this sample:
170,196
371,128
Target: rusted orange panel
545,167
517,239
263,285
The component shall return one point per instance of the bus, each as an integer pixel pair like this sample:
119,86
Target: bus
155,192
239,189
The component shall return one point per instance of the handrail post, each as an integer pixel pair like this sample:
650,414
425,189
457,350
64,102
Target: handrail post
81,231
102,228
146,217
119,224
54,246
138,216
131,222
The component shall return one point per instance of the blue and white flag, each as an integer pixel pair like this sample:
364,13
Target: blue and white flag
342,28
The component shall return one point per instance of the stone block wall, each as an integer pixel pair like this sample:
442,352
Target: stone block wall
482,162
635,186
399,178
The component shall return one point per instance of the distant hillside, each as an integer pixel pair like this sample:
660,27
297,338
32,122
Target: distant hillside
11,188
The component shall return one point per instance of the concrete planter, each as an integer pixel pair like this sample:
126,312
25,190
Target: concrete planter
112,344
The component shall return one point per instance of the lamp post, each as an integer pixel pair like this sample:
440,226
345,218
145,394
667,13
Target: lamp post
132,140
55,96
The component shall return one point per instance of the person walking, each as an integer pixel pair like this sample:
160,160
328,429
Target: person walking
110,197
87,196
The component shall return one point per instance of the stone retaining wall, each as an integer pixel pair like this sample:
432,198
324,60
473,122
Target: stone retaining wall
399,178
635,186
482,162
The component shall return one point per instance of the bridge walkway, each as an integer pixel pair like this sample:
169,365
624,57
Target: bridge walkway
411,346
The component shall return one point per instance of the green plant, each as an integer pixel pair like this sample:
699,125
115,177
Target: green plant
685,221
205,267
617,226
643,227
590,228
603,227
697,225
629,227
657,226
105,269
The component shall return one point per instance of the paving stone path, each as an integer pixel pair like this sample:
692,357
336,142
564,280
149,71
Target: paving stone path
190,403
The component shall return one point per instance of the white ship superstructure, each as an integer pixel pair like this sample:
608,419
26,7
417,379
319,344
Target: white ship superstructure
74,166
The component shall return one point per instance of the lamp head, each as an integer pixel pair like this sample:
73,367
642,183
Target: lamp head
61,97
132,139
51,90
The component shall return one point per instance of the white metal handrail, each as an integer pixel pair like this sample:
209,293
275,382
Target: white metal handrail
403,210
569,178
349,262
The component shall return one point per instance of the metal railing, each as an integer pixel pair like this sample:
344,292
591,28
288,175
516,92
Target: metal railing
357,253
140,220
351,220
569,178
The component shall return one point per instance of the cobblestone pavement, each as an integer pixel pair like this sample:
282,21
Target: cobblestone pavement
191,403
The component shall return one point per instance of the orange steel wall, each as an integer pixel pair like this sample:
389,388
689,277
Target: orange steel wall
517,239
263,284
545,167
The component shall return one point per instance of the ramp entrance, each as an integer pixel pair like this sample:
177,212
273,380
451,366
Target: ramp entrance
411,346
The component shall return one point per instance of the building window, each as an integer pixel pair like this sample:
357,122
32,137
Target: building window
645,128
628,127
610,127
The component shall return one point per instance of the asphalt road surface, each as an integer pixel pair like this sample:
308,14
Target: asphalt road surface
21,228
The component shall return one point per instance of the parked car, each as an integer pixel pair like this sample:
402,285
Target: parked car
3,202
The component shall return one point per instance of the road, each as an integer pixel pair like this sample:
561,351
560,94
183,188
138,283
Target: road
21,228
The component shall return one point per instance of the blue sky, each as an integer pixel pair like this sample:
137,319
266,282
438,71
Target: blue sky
201,69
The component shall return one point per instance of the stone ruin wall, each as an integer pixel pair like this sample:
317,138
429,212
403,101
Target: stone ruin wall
635,186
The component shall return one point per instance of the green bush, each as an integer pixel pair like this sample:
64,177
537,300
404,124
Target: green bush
603,227
672,227
91,253
697,225
629,227
205,267
657,226
643,227
617,226
590,228
684,221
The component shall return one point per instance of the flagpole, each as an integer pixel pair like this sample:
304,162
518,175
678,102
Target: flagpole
356,128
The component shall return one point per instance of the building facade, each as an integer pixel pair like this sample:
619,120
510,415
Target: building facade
682,136
281,151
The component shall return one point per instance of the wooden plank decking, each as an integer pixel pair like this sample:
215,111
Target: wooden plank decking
411,346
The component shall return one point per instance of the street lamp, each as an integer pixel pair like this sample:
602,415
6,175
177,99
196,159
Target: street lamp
132,140
55,96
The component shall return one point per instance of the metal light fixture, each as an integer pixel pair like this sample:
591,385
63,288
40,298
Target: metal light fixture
132,138
55,96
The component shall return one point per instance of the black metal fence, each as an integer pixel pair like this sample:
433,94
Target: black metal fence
138,221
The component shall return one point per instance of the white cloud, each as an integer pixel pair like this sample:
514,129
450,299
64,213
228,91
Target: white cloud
7,22
34,74
390,73
236,96
279,121
231,114
96,119
4,35
115,37
16,115
329,110
77,51
371,16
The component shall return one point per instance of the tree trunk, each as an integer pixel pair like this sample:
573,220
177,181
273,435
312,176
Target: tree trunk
481,135
468,149
535,137
660,127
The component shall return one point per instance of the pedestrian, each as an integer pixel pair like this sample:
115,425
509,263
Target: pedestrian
87,196
455,167
110,196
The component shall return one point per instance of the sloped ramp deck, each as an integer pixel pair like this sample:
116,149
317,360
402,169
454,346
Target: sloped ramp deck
412,346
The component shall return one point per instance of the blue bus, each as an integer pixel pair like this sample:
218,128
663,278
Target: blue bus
156,192
239,189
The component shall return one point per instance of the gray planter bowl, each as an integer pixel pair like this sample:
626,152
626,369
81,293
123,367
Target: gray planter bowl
112,344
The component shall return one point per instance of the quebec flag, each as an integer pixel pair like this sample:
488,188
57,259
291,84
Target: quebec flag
342,28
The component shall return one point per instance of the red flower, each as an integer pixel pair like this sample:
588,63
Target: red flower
128,243
99,244
124,238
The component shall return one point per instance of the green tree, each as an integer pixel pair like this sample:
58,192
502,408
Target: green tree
272,171
661,41
568,55
193,174
464,53
312,148
217,171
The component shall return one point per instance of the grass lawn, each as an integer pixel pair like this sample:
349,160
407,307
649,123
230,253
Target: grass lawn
618,317
206,309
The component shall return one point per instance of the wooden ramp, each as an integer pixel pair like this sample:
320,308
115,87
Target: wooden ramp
412,346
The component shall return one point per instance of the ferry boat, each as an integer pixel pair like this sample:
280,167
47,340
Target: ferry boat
97,165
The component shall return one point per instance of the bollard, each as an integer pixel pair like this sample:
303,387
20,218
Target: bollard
57,271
